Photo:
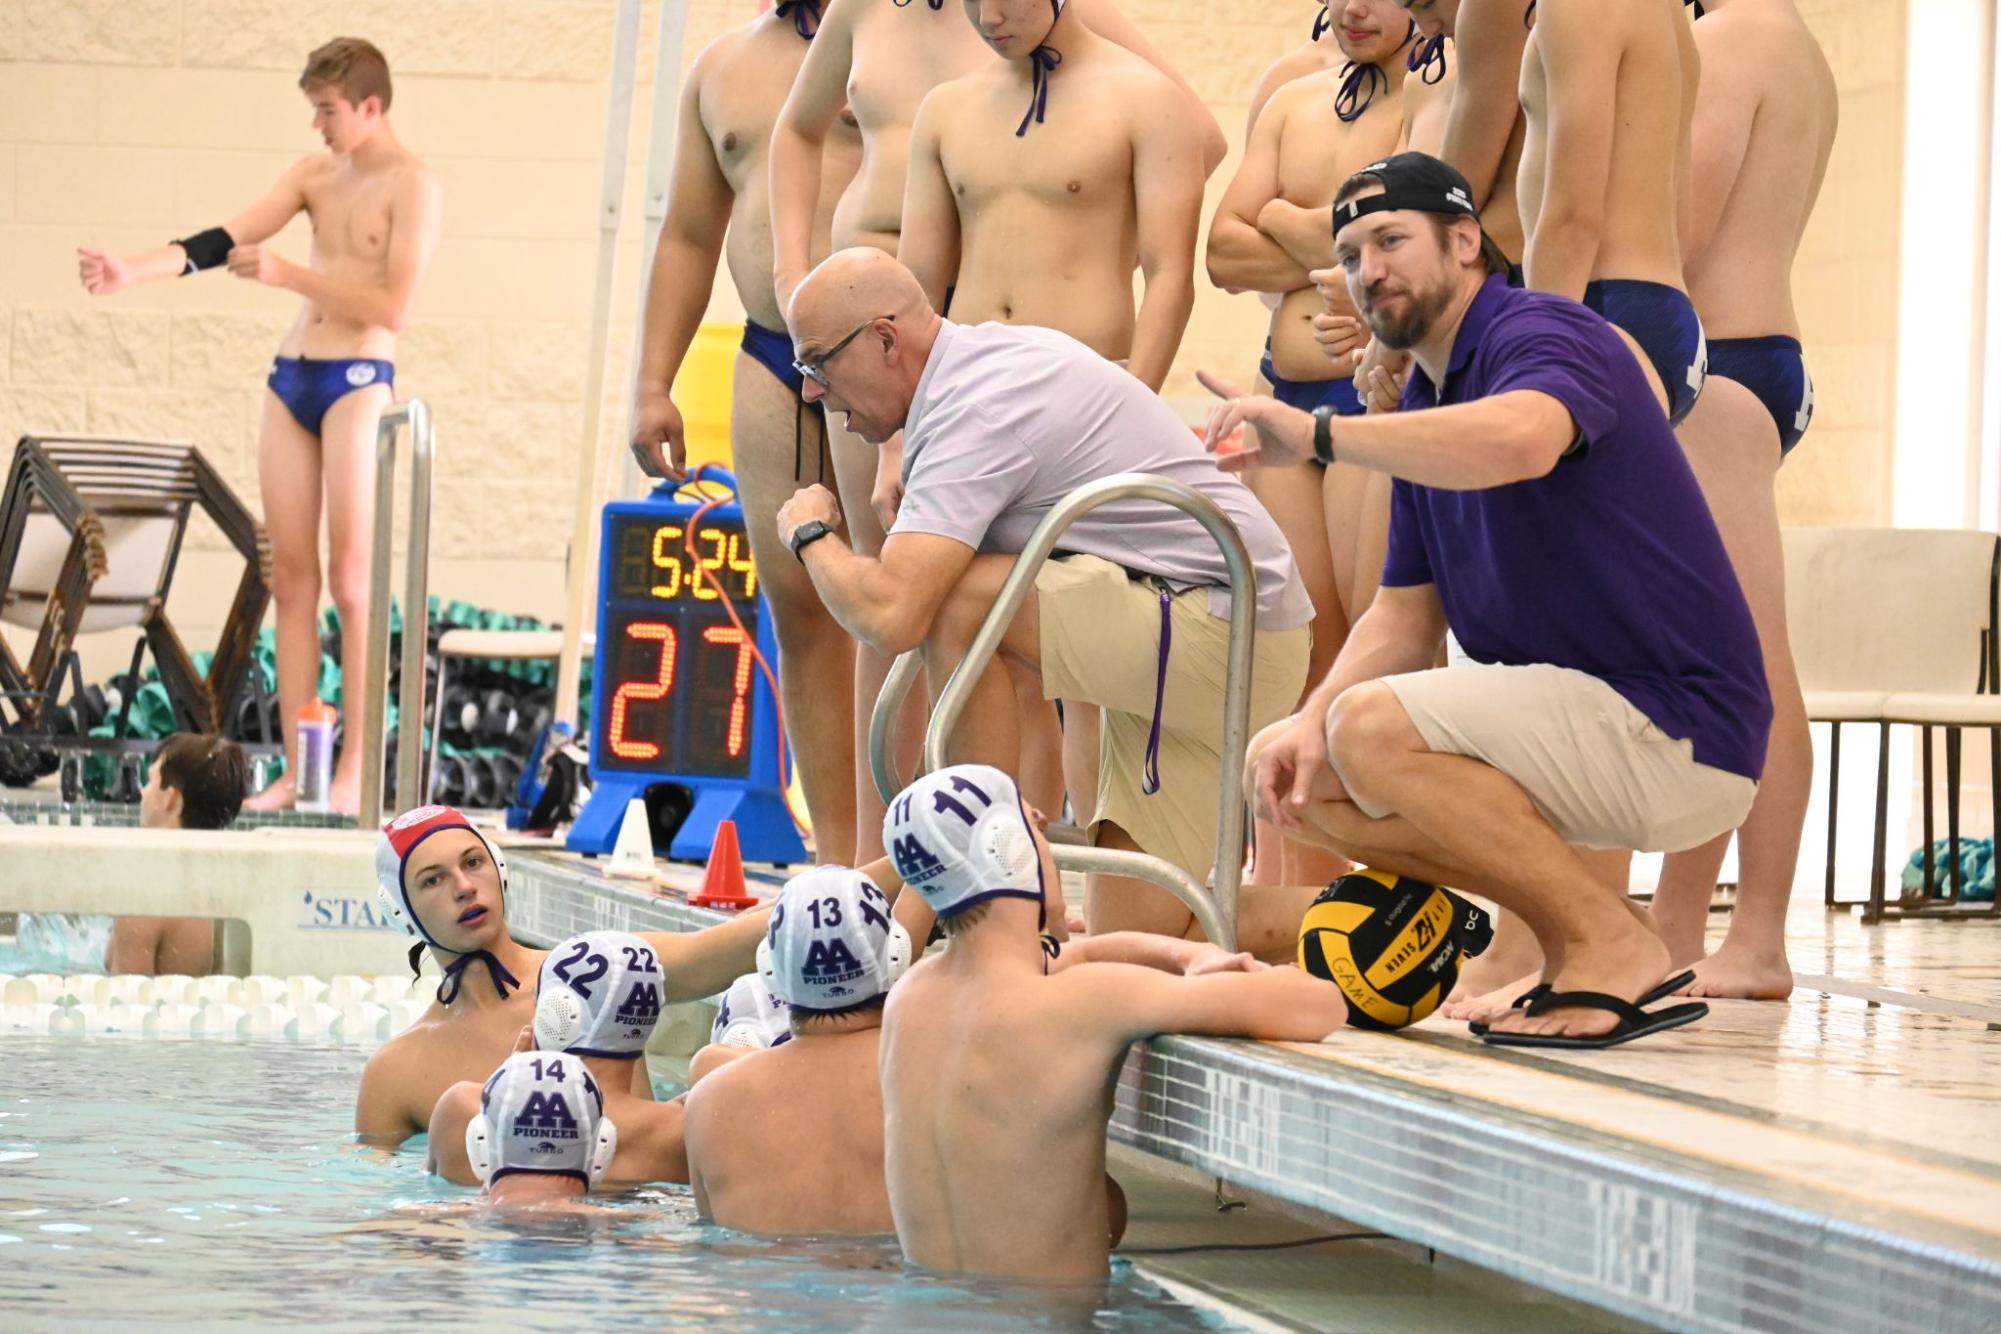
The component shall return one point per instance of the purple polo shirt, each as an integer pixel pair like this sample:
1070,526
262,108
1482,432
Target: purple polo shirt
1611,563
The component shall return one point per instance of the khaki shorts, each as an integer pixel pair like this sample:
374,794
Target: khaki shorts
1101,645
1597,768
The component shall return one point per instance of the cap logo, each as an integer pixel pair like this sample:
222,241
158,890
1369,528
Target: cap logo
831,961
641,1004
545,1116
915,863
1458,196
418,816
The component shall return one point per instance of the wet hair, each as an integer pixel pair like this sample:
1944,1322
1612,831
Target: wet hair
210,773
1492,257
965,919
351,64
805,1021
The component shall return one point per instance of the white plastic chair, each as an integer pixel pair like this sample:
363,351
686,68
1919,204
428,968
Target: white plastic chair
1896,625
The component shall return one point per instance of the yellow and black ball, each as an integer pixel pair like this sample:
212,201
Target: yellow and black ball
1392,944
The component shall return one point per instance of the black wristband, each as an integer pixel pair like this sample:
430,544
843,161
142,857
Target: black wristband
805,536
206,250
1323,437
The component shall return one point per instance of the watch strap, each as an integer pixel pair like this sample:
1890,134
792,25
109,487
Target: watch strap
1323,435
806,535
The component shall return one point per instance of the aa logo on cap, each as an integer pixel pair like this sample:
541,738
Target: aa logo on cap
546,1116
914,862
641,1004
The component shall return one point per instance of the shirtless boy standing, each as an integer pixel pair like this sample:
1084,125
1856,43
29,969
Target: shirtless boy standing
1272,230
880,58
1039,182
995,1158
376,214
718,204
1764,128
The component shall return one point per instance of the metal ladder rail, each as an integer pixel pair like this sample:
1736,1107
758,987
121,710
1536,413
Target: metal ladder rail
1217,913
414,414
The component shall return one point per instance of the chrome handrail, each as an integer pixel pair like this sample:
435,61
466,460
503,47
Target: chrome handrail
1220,919
903,674
416,615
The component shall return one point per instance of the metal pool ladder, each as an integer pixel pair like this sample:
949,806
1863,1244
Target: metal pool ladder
1217,914
416,615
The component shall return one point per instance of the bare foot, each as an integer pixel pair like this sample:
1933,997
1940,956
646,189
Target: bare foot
279,796
1512,952
1486,1006
1625,964
1740,973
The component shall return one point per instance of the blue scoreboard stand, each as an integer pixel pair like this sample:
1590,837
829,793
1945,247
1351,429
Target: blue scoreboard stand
677,696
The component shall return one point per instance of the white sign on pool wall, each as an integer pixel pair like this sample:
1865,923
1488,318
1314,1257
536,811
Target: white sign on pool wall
332,911
258,877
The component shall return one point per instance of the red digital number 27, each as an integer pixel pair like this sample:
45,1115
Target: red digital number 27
643,691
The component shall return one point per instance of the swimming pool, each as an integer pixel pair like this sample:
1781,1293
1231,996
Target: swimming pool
190,1184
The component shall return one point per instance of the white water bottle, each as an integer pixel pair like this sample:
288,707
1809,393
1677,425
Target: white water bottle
313,787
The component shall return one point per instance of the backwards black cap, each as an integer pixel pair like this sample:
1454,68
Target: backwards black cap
1411,181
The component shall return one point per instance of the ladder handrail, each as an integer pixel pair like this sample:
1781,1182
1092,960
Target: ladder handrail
1220,921
416,616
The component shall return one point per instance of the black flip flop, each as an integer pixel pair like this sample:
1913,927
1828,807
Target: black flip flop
1541,989
1634,1022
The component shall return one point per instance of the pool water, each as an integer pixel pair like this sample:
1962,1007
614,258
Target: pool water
183,1183
55,942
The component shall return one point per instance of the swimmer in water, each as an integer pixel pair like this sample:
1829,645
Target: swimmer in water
831,956
541,1137
196,782
995,1166
597,1000
442,881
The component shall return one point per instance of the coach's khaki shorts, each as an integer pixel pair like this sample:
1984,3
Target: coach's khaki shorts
1101,645
1597,768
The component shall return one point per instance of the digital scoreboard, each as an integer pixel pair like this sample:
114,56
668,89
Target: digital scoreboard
677,696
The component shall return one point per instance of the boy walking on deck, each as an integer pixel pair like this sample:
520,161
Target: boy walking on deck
376,212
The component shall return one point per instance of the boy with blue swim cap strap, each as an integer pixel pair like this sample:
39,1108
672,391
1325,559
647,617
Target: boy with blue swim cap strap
401,838
541,1115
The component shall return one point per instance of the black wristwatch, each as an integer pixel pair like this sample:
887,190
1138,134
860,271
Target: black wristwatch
1323,438
805,535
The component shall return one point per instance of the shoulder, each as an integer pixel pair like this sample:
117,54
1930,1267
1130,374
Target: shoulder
714,59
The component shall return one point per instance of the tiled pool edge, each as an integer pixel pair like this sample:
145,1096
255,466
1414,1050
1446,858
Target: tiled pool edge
1655,1236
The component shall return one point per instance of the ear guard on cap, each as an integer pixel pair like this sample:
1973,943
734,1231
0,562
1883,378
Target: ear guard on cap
479,1149
1003,842
559,1019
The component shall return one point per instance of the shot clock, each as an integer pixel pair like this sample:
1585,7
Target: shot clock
677,696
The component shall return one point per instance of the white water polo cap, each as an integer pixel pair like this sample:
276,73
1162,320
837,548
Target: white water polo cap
750,1016
541,1113
400,838
832,945
599,995
960,836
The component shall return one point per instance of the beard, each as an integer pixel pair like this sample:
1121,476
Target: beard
1421,311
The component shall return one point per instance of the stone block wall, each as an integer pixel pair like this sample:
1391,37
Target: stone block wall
125,122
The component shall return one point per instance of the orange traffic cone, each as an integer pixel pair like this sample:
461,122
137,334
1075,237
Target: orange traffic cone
722,881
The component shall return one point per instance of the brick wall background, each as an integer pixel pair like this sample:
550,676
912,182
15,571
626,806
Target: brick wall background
125,122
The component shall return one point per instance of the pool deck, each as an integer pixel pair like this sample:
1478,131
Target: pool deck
1832,1163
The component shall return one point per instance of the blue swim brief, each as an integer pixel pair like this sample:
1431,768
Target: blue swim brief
772,349
1664,323
1773,368
308,387
1306,395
